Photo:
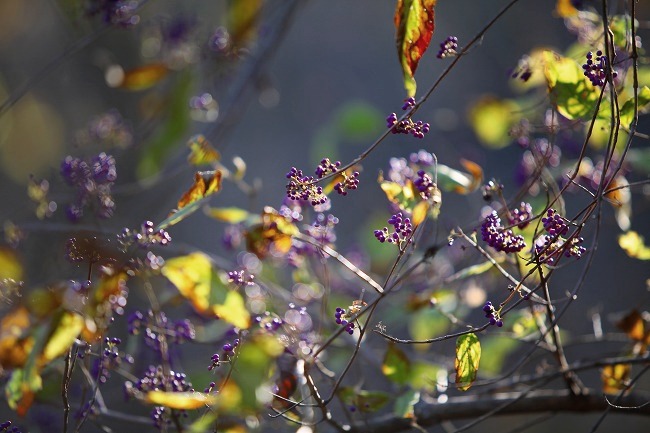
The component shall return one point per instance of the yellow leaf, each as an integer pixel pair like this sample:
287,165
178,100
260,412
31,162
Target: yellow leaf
192,275
66,329
614,377
233,310
231,215
633,244
10,267
420,213
633,325
468,356
492,120
201,151
15,346
180,400
144,77
272,235
564,9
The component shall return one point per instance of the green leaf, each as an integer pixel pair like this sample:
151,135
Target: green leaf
427,323
492,119
20,389
414,22
358,120
495,350
404,404
639,159
362,400
627,111
473,270
468,356
396,365
423,375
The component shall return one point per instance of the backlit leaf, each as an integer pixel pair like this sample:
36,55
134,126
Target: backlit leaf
205,184
10,266
363,400
201,151
21,388
420,213
565,9
396,365
633,325
492,119
633,244
272,235
423,375
614,377
15,344
233,310
414,22
192,276
180,400
230,215
468,356
405,197
457,181
144,77
65,329
627,110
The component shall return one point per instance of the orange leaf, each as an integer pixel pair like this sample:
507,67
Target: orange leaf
14,344
564,9
633,325
614,377
414,22
272,235
144,77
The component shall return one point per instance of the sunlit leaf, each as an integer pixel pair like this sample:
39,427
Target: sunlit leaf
620,25
15,344
522,325
615,377
420,213
492,119
180,400
233,310
633,325
272,235
404,404
634,245
468,356
573,95
414,22
565,9
144,77
627,110
21,388
405,197
363,400
457,181
396,365
192,276
621,199
201,151
206,183
10,266
230,215
65,329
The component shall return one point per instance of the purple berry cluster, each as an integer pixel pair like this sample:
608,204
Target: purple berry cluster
269,322
492,314
301,187
407,126
145,237
425,184
107,130
93,180
6,427
595,68
110,359
121,13
521,216
240,279
341,316
350,182
155,331
327,167
402,230
228,351
551,246
500,238
448,47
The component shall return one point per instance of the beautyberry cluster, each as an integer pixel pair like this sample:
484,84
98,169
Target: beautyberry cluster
448,47
492,314
6,427
402,230
240,279
549,247
595,68
301,187
521,216
228,351
500,238
425,184
326,167
110,359
156,330
341,316
407,126
269,322
349,182
93,180
145,237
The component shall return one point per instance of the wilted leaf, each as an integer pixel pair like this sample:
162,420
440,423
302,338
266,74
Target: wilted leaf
573,95
621,199
15,345
492,119
201,151
396,365
627,110
362,400
205,184
143,77
633,325
233,310
615,377
272,235
65,329
192,276
414,22
468,356
565,9
180,400
633,244
230,215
